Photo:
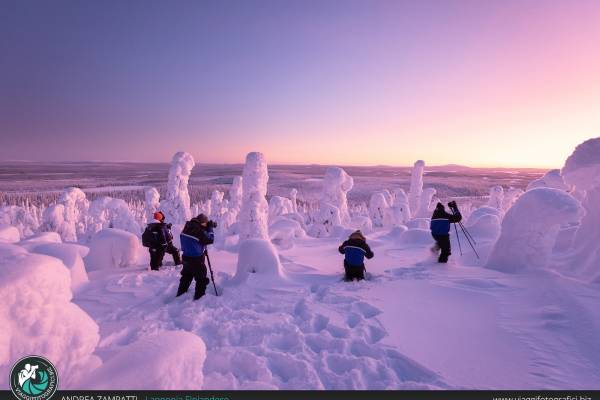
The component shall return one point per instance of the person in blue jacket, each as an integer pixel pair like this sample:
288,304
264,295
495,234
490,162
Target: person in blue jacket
440,228
197,234
355,249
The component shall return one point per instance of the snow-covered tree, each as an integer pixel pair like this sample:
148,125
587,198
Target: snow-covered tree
425,208
530,227
379,209
279,206
152,202
496,197
582,172
416,185
401,208
254,211
23,218
176,205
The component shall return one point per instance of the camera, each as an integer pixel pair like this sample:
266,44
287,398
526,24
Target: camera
211,224
453,205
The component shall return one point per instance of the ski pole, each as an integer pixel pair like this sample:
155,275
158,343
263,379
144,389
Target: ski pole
212,278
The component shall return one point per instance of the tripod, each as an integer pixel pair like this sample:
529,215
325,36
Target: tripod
212,278
468,236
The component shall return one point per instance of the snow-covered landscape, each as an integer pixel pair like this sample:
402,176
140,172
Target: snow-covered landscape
522,312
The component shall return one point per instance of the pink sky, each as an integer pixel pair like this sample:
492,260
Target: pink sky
480,83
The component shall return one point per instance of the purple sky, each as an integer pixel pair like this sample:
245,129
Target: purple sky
507,83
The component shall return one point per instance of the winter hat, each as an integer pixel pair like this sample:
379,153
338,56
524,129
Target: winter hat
357,235
202,218
439,206
159,216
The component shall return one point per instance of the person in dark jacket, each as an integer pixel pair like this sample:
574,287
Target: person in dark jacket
355,249
440,228
196,235
162,243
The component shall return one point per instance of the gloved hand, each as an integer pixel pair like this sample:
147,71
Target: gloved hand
453,206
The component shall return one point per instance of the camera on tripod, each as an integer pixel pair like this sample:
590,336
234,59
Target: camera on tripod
453,205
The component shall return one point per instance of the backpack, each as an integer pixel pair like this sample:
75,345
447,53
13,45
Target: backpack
150,238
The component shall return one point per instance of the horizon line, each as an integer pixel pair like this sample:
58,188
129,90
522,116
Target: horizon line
276,163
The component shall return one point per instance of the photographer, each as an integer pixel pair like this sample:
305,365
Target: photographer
196,235
159,240
440,228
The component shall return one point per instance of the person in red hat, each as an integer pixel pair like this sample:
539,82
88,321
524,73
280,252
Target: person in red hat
159,240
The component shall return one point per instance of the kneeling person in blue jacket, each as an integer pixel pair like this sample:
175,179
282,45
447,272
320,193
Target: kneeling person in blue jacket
440,228
355,249
196,235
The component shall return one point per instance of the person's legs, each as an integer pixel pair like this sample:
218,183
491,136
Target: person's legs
156,258
347,272
184,283
174,251
360,274
187,274
201,281
354,272
444,243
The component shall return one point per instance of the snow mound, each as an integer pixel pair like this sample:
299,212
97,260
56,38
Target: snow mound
9,234
552,179
480,212
485,228
38,317
72,257
582,168
283,231
584,253
416,237
258,257
418,223
169,360
395,233
361,223
8,250
42,237
530,227
112,248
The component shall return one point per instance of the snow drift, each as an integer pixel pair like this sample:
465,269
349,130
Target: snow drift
258,257
169,360
38,317
112,248
530,227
